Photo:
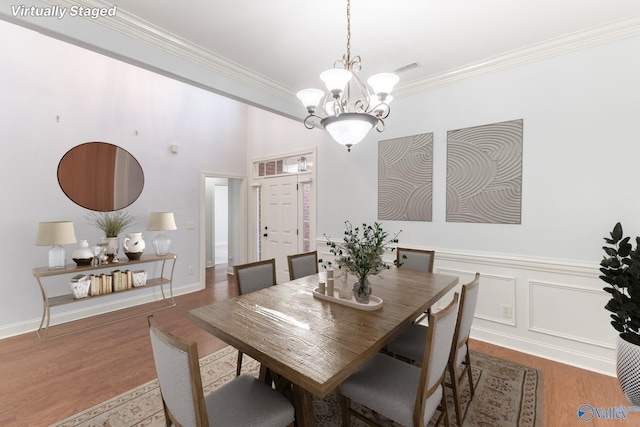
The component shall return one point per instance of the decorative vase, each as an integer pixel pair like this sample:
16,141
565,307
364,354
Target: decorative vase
628,369
113,247
133,245
362,290
83,255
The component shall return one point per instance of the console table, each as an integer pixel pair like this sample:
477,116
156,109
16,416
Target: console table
41,273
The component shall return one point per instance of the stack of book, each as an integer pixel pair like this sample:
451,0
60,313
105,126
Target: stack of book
118,280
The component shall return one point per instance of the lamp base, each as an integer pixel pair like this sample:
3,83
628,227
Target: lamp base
57,258
161,244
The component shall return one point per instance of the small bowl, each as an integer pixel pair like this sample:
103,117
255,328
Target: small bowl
82,261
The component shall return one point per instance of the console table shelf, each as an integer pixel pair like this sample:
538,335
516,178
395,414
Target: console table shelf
72,269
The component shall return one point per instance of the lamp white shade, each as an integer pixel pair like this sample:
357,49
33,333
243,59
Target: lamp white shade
310,98
383,83
161,221
336,79
55,233
349,128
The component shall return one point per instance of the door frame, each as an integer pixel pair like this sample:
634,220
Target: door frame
255,182
242,238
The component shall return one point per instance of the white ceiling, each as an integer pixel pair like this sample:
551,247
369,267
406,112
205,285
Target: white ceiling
289,42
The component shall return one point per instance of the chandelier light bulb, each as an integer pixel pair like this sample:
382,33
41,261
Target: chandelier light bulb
349,128
383,83
336,80
310,98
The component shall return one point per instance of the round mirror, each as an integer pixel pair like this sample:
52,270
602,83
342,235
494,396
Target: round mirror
100,176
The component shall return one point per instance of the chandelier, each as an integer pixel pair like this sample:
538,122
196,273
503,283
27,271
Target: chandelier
351,109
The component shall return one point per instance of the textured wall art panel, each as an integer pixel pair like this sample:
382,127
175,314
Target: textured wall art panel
405,175
484,173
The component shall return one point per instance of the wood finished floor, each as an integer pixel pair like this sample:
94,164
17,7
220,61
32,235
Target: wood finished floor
45,382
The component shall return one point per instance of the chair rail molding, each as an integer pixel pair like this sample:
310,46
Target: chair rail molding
550,308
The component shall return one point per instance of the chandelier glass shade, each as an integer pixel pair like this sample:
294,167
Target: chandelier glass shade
351,108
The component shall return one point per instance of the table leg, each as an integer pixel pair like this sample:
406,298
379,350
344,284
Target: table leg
303,407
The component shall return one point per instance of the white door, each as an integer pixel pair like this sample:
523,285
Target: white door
279,222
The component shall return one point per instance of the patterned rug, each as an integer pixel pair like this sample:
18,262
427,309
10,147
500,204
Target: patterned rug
506,395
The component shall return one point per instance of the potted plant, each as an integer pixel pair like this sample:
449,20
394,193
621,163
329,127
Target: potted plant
360,253
112,224
620,269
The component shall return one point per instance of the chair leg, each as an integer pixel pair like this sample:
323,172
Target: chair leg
454,388
239,367
346,411
471,386
443,407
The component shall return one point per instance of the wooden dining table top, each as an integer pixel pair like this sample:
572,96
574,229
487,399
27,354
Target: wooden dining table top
314,343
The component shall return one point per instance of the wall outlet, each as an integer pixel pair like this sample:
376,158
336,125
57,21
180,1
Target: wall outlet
190,270
506,311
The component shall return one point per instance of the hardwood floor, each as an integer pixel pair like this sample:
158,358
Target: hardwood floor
46,381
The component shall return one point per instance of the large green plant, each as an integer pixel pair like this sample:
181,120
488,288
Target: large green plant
621,271
112,223
361,254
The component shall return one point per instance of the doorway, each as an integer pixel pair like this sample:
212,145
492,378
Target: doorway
282,206
223,220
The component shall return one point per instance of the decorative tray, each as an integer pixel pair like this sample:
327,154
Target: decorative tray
374,302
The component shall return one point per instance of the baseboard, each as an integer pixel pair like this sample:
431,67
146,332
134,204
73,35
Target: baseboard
540,349
32,325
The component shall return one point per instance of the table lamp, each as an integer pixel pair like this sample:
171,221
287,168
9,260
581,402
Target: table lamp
161,221
55,234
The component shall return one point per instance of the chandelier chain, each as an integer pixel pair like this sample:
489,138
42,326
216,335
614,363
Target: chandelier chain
348,31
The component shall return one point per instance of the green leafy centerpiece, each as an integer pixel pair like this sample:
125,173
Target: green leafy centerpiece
360,253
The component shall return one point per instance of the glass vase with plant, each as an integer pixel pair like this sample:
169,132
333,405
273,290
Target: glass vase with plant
360,253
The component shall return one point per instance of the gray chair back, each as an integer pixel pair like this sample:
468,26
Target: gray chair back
468,303
441,327
415,259
255,276
301,265
179,377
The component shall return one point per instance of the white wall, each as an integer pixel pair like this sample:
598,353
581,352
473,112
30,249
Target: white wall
580,159
580,111
99,99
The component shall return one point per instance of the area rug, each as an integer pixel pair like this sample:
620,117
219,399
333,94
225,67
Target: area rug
506,395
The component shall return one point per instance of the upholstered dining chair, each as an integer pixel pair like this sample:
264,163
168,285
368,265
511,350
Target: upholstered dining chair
419,260
252,277
304,264
244,401
415,259
409,344
405,393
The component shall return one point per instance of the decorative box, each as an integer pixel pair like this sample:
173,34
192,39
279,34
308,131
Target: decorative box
79,286
139,278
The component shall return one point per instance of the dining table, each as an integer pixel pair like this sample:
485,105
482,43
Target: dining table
316,343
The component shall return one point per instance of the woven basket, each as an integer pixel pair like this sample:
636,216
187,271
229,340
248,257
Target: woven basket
139,278
80,288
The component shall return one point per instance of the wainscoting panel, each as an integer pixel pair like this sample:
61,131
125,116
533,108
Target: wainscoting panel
587,326
496,297
557,306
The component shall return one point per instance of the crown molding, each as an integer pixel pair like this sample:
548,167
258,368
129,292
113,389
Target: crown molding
132,26
562,45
